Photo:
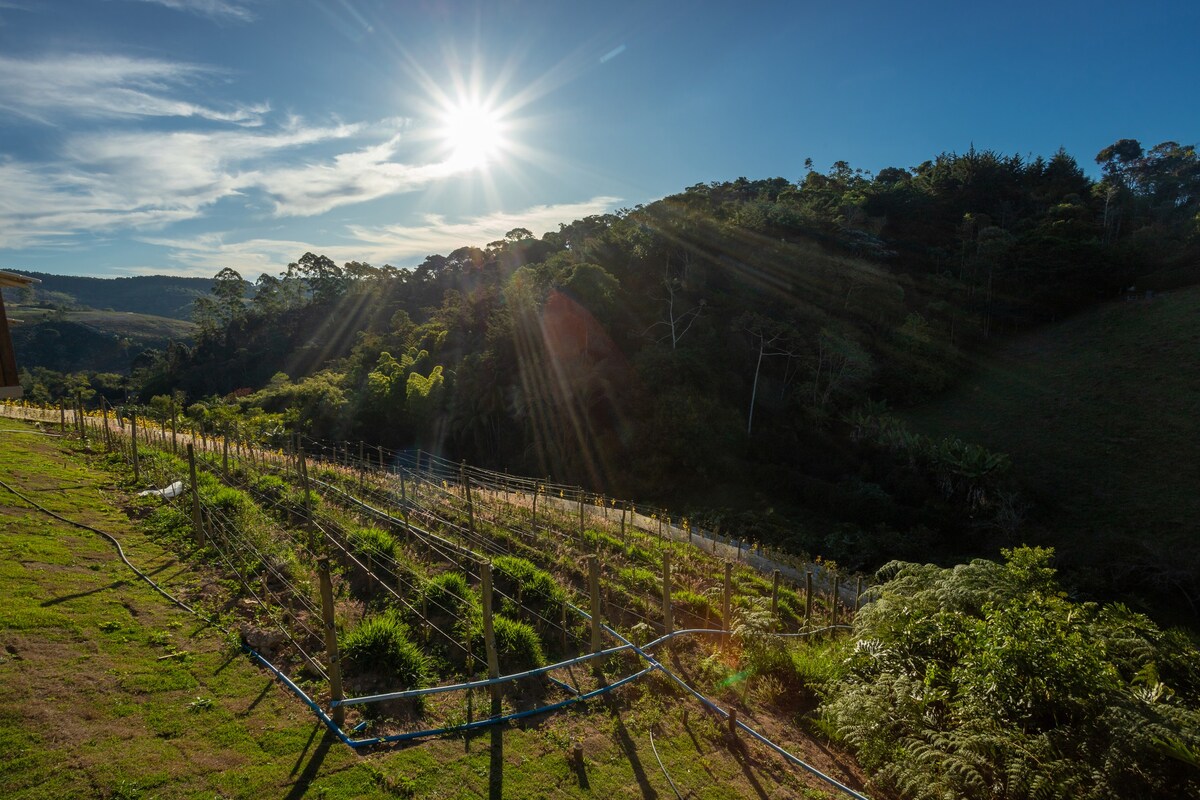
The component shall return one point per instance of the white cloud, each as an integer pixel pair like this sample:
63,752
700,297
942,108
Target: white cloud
393,244
352,177
108,86
217,9
139,180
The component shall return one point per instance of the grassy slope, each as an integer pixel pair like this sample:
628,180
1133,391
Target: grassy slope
88,709
1101,415
122,323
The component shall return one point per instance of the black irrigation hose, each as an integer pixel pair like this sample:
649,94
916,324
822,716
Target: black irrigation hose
121,553
674,788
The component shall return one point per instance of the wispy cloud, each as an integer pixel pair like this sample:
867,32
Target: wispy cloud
217,9
394,244
140,180
109,86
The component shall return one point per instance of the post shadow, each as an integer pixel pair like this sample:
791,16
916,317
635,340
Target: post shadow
496,770
300,787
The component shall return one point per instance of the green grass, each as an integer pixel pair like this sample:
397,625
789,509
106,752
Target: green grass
1101,416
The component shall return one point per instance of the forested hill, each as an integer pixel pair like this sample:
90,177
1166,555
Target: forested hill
734,348
158,295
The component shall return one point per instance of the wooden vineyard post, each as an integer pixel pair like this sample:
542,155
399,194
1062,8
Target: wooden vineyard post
404,503
379,447
807,596
308,516
174,428
197,522
225,454
668,622
857,594
775,598
624,508
581,515
62,416
833,599
535,496
362,466
331,644
489,632
594,587
133,443
107,430
726,622
466,479
79,407
733,722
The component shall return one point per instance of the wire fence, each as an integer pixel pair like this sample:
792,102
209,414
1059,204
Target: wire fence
434,497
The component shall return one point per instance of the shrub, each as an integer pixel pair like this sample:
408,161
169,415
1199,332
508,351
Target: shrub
517,644
381,645
695,604
983,680
271,486
372,543
450,591
535,584
640,579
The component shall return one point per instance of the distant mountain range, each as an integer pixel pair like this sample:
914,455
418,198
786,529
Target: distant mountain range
158,295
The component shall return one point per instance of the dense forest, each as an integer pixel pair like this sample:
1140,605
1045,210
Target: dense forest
735,349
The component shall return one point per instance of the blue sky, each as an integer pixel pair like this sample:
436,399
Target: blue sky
183,136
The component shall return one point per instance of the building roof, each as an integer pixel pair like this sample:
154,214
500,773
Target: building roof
13,279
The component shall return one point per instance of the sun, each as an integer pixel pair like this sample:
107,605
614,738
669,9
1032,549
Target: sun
472,134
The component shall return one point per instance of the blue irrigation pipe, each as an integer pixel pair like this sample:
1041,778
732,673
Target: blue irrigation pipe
484,723
377,698
654,664
308,701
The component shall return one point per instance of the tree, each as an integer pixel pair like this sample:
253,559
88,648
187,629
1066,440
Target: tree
679,314
224,304
768,338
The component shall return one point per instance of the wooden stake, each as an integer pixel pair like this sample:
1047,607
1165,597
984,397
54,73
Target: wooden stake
726,625
489,633
133,443
535,496
308,515
197,522
775,597
808,595
594,585
470,503
857,593
331,643
107,430
668,621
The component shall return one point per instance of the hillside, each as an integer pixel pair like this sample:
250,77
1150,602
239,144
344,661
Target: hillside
157,295
1101,415
97,341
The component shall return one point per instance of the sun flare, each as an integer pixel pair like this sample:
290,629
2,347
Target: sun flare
473,135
